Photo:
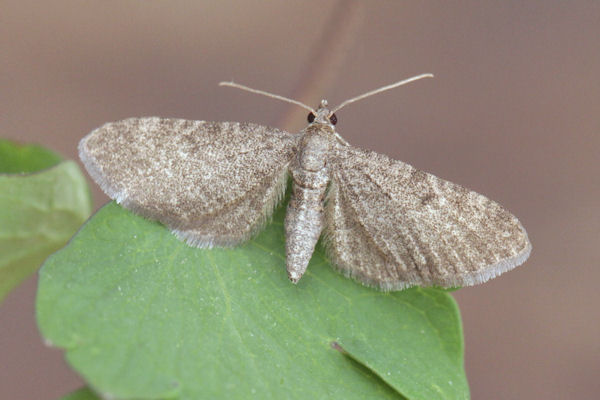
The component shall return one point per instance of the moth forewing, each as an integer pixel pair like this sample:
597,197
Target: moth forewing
413,228
211,183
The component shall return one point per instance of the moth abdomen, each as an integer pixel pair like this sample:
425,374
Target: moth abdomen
303,226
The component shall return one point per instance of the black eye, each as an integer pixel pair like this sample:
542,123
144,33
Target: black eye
333,119
310,118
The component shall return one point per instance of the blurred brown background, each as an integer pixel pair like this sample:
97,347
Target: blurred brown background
514,113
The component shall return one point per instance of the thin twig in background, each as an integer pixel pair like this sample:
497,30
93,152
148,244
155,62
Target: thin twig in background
330,51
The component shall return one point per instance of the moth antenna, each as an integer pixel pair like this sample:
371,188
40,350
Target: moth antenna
381,89
275,96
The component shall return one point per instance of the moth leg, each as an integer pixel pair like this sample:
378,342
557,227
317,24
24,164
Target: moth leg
341,139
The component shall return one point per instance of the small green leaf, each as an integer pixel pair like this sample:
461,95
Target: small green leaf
81,394
39,212
21,159
143,315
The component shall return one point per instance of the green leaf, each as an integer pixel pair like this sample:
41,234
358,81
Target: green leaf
39,212
143,315
81,394
18,159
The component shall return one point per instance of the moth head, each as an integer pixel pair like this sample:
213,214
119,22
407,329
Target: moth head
322,115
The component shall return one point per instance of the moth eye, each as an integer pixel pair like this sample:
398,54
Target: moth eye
333,119
310,117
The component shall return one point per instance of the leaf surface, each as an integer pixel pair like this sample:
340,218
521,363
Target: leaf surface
142,315
21,159
39,211
81,394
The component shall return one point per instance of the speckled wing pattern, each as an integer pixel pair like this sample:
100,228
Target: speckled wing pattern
392,226
211,183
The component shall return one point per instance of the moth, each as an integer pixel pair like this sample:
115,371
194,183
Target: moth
384,223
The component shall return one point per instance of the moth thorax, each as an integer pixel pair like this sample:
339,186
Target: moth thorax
314,151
